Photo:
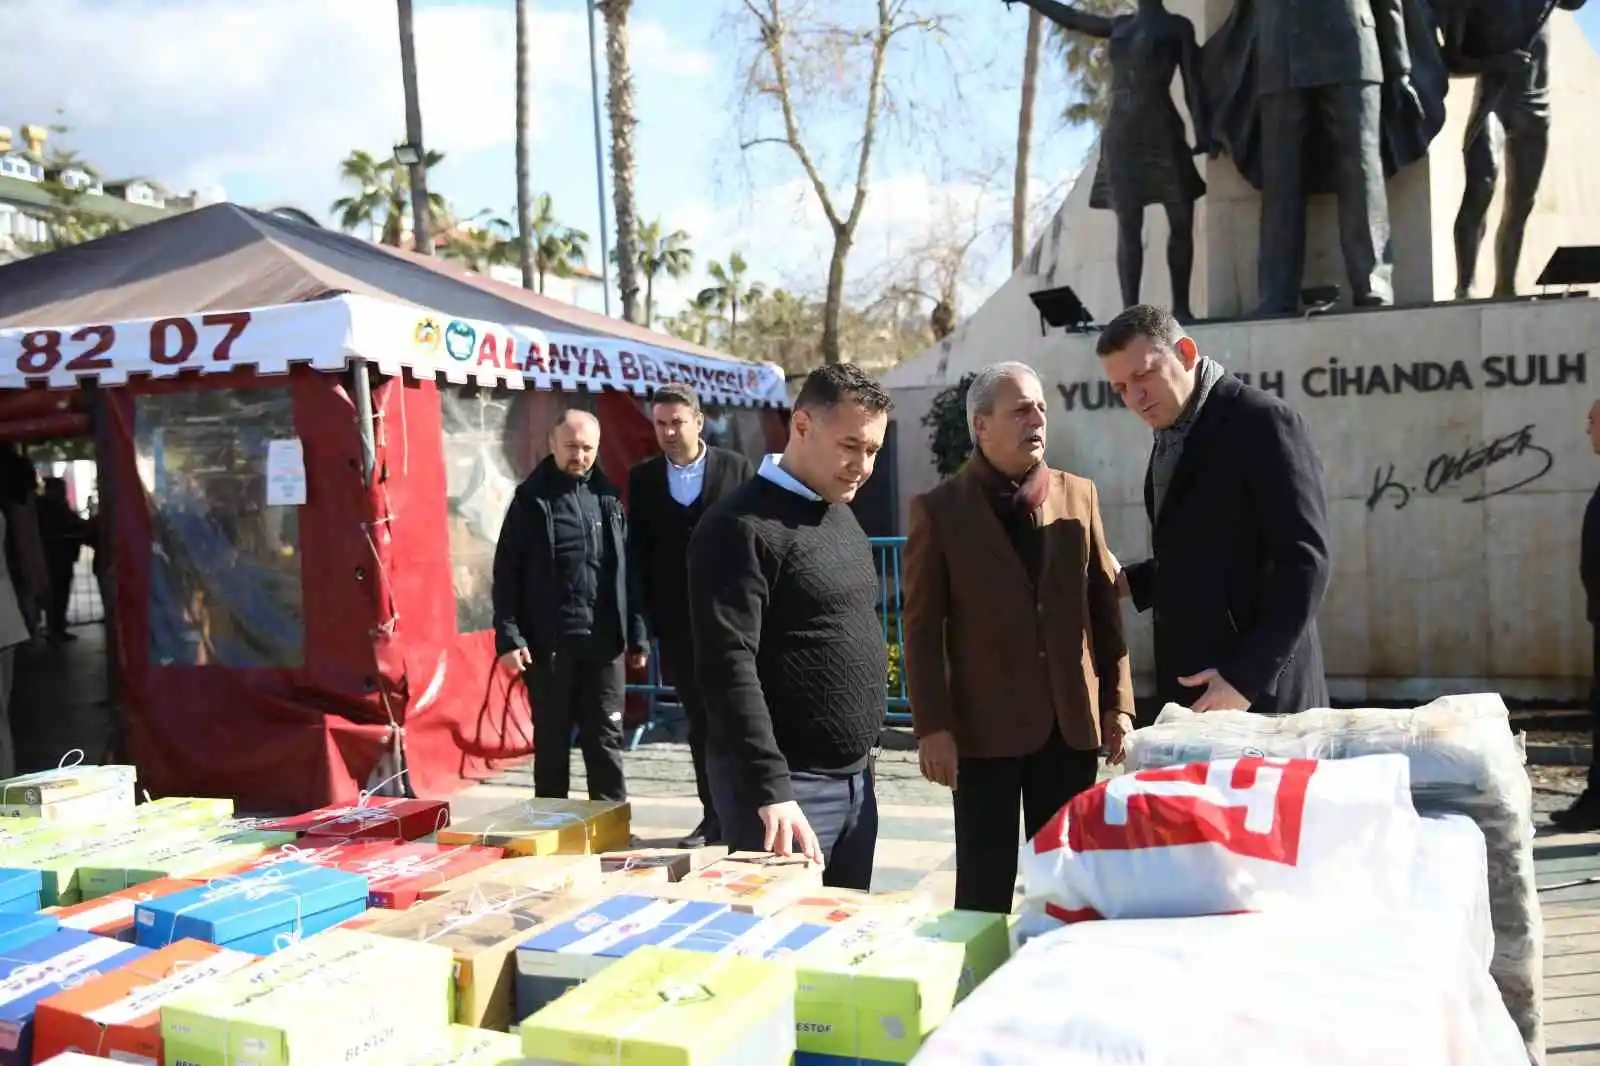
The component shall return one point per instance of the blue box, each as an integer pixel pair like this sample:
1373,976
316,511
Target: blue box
751,935
19,929
20,891
260,911
816,1058
570,952
42,968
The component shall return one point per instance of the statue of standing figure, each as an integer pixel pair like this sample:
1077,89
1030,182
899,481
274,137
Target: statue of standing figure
1145,157
1505,45
1324,96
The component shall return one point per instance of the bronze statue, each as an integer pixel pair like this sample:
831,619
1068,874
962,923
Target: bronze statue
1145,156
1319,96
1505,45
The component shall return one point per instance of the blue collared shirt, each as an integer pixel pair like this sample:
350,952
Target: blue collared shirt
782,478
685,482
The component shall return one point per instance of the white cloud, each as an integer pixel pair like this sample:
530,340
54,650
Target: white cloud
192,92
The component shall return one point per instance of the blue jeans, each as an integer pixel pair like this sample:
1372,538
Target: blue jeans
842,811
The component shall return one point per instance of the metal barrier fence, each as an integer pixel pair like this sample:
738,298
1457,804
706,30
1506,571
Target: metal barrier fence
886,555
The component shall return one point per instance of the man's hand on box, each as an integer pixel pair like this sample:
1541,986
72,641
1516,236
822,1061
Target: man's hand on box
788,832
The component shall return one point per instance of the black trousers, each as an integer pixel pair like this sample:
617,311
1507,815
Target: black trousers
575,684
1594,716
987,796
677,657
60,570
842,811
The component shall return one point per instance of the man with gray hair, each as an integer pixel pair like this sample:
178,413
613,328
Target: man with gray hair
1239,526
1014,651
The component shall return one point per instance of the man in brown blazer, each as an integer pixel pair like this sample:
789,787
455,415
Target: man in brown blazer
1014,651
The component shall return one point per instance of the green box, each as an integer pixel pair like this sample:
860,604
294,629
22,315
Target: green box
183,856
60,859
339,997
197,811
877,988
462,1045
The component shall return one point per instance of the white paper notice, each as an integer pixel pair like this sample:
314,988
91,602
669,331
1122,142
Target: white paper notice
286,473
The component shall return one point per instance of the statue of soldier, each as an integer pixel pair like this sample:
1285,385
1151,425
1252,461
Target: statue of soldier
1505,44
1324,95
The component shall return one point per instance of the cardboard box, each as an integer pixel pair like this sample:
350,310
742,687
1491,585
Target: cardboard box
750,935
482,926
19,929
577,875
261,912
672,864
662,1007
119,1013
378,818
547,827
113,915
188,856
752,881
38,970
75,794
76,1058
58,861
330,854
575,949
194,811
884,981
339,998
20,890
836,906
25,832
462,1045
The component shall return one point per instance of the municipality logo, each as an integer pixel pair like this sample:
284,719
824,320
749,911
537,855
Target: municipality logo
460,340
426,334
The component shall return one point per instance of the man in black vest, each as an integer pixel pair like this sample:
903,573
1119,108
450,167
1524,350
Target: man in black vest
563,610
666,497
1584,815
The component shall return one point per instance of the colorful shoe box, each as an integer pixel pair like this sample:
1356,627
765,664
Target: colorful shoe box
19,929
750,935
462,1045
482,926
38,970
378,818
118,1014
574,950
577,875
71,794
752,881
547,827
194,811
836,906
261,912
874,991
663,1007
113,915
339,998
645,867
76,1058
59,861
190,856
20,890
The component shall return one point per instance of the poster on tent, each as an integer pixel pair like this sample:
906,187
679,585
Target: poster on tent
395,337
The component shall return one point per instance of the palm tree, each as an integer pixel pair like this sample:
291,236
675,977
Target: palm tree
786,329
730,292
525,237
383,197
659,253
478,243
1030,90
619,106
556,249
693,323
422,206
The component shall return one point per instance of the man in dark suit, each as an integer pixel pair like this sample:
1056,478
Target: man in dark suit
1014,650
1234,493
1322,64
666,497
1584,814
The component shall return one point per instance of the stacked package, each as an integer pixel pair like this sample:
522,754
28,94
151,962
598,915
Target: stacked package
1464,760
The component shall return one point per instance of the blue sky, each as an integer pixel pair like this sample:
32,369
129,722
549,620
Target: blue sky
263,97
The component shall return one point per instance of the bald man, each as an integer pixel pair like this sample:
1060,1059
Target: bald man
564,616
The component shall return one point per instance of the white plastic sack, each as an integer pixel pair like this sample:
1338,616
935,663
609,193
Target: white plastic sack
1238,990
1450,883
1464,760
1231,835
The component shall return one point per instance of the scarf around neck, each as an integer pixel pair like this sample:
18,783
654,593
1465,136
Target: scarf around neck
1023,497
1169,442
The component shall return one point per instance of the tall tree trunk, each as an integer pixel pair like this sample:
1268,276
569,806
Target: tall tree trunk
619,105
421,235
831,307
1030,90
524,193
733,325
649,300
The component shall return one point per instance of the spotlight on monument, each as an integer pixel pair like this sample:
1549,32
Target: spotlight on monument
1573,264
1061,308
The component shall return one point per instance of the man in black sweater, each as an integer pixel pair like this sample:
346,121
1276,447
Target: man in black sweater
789,647
1584,814
563,610
667,495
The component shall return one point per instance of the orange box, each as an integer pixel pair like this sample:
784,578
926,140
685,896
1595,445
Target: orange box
112,915
118,1014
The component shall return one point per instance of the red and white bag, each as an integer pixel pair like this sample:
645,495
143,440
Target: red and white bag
1232,835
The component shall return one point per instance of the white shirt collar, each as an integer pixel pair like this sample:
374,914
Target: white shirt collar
695,464
783,479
